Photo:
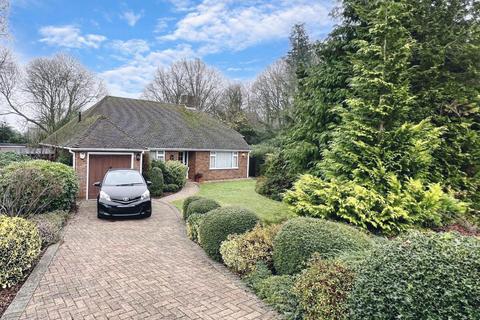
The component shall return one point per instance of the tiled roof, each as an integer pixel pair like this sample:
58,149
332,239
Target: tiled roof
123,123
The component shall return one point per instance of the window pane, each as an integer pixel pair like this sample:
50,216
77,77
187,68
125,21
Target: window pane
224,160
212,160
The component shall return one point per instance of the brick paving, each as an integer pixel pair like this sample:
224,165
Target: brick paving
138,269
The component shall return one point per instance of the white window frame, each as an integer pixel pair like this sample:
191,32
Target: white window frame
213,155
160,155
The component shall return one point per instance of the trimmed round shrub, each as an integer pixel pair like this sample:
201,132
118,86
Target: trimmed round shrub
19,247
241,252
201,206
156,177
189,200
193,224
277,291
419,276
49,225
300,238
218,224
48,174
322,289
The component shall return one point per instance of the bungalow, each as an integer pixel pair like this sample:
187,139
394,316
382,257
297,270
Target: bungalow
118,133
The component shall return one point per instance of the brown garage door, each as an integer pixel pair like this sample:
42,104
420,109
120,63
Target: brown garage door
99,165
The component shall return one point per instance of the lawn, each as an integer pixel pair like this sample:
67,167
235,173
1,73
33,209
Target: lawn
242,193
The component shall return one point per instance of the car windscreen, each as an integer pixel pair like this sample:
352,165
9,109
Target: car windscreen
122,178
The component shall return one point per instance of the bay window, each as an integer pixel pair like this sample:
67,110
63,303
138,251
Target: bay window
223,160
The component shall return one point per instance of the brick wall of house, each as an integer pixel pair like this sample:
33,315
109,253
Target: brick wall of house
81,171
202,165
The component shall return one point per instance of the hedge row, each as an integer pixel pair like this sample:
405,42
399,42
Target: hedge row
312,268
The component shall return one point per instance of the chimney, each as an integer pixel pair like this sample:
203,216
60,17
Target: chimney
79,116
188,100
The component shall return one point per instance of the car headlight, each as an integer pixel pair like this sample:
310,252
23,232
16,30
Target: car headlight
145,195
104,196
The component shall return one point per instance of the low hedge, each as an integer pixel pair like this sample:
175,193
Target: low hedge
19,247
300,238
189,200
419,276
218,224
241,252
322,289
49,225
200,206
48,174
193,224
277,291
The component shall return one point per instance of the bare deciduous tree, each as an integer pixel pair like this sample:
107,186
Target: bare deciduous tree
272,94
50,90
187,77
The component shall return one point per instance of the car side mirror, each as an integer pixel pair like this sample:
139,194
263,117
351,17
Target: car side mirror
149,182
97,184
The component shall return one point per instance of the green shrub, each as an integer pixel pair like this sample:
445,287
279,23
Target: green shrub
255,278
189,200
419,276
47,173
27,192
8,157
177,173
156,177
49,225
174,174
300,238
171,187
193,224
404,205
200,206
19,247
259,156
241,252
322,289
277,291
277,177
218,224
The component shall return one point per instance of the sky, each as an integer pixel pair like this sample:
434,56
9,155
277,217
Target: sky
125,41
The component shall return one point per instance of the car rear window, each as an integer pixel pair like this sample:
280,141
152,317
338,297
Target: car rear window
122,177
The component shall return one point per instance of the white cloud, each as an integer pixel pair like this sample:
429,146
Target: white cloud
182,5
130,79
131,17
70,37
234,25
162,24
130,47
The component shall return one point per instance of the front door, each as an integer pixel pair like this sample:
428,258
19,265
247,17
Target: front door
183,157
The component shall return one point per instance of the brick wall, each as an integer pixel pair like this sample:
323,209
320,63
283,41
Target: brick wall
81,170
201,164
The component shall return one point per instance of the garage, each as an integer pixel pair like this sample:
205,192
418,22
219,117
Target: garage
99,164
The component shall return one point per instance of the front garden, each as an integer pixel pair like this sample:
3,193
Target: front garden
310,268
36,199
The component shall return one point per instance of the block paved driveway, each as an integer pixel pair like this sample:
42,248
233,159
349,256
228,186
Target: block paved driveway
138,269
